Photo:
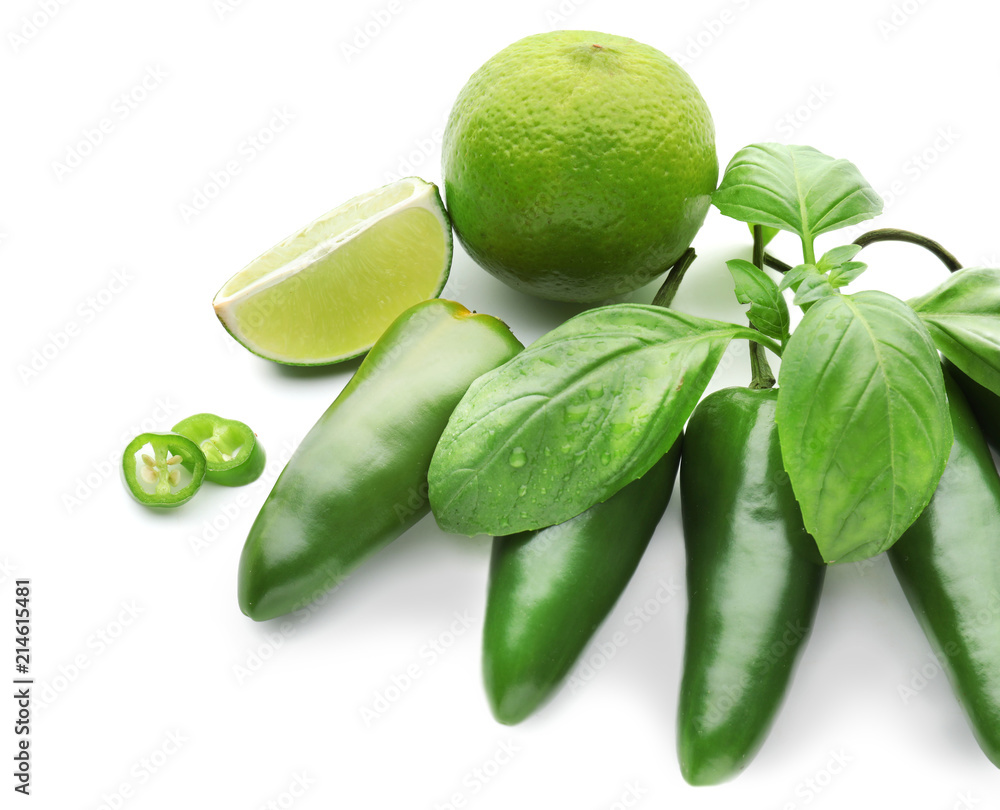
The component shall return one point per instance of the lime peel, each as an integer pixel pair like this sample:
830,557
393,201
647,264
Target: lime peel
326,293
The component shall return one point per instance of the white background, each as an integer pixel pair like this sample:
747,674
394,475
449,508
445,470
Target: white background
137,638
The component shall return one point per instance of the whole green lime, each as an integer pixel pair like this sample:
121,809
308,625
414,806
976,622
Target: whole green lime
577,165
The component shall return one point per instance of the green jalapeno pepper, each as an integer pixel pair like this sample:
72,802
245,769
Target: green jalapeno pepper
984,403
754,579
359,478
550,589
234,456
162,469
948,564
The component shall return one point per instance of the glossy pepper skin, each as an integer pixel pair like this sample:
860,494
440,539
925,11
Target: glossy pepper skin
550,589
948,563
984,403
754,577
359,478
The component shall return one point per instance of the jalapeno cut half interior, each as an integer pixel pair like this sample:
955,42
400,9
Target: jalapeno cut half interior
233,455
163,469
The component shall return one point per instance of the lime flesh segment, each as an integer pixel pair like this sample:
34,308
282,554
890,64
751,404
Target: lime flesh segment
328,292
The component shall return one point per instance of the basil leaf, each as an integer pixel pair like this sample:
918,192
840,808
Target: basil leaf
768,309
584,410
863,422
837,256
795,188
812,288
794,277
963,316
846,273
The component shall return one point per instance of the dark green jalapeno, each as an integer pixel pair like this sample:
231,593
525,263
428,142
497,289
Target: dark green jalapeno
948,563
984,403
359,478
550,589
754,578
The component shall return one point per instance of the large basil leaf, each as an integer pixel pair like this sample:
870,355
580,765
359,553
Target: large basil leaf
577,415
795,188
768,309
963,316
863,422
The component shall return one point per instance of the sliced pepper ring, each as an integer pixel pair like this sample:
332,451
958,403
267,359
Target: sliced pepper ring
162,469
232,452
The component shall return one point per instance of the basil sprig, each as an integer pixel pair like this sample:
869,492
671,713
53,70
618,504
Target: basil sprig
862,409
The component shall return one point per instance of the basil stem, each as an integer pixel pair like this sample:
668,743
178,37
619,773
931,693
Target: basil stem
762,377
899,235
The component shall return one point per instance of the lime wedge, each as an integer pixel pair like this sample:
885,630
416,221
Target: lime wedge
328,292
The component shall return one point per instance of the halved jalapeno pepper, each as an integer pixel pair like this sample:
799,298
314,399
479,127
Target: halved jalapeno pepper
162,469
231,449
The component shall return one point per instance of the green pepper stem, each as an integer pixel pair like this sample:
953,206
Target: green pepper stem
760,369
665,295
899,235
763,377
